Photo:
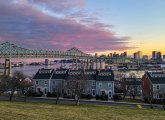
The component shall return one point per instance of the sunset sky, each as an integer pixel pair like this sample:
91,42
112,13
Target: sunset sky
91,25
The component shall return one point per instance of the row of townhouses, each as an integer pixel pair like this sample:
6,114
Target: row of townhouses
98,82
101,82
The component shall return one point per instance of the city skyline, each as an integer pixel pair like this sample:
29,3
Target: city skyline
92,26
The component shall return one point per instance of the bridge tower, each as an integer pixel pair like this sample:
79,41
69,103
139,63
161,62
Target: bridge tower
8,67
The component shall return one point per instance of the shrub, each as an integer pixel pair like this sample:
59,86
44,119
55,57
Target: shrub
117,97
34,94
68,96
101,97
154,101
97,97
89,96
84,96
53,94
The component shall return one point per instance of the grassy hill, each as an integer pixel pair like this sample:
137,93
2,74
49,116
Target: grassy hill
43,111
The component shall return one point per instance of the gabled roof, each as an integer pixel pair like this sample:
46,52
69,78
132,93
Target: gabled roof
80,74
60,74
90,74
105,75
101,75
156,77
75,75
44,74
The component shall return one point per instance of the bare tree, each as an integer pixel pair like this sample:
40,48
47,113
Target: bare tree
3,85
11,84
25,85
59,88
77,86
130,86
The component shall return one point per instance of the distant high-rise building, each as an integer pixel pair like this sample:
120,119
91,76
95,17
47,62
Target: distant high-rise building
110,55
117,55
125,54
135,55
122,55
145,58
154,55
114,54
159,55
163,56
139,55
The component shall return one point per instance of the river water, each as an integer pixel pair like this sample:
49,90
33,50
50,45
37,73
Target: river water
32,70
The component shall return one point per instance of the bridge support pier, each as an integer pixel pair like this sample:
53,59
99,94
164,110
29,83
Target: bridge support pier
8,67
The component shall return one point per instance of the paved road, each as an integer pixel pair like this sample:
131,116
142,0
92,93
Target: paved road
72,101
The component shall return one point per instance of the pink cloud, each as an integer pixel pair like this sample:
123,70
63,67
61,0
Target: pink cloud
30,27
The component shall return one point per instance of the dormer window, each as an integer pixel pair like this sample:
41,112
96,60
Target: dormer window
105,74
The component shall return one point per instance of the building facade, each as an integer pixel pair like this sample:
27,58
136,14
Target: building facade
98,82
153,85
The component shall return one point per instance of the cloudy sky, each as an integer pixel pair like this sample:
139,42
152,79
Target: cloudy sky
90,25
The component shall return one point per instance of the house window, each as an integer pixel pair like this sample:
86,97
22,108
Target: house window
45,82
110,94
158,87
45,90
109,85
100,85
93,83
93,92
36,82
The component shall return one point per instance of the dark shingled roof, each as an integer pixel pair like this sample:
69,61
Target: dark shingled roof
156,77
90,74
105,75
60,74
74,75
77,74
101,75
44,74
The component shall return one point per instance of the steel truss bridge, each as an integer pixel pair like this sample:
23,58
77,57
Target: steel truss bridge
9,50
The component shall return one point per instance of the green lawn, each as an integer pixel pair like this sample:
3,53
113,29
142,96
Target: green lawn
43,111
